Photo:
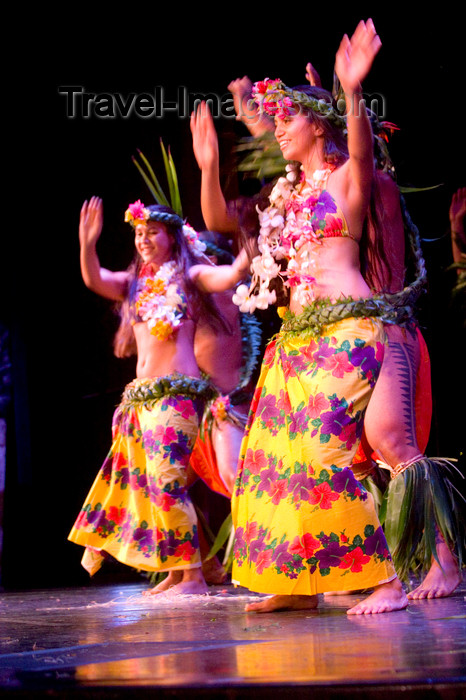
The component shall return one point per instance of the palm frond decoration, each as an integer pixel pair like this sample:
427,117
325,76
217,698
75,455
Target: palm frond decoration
260,156
147,173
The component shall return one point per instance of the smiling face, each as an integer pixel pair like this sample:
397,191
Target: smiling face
153,243
297,137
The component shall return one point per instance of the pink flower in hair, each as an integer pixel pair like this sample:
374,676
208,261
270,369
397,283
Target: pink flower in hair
261,87
136,212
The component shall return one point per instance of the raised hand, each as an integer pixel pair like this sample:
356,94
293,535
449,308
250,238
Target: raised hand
205,140
312,76
91,221
355,56
246,109
241,88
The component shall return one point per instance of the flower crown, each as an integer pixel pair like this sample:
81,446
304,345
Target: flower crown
276,99
138,213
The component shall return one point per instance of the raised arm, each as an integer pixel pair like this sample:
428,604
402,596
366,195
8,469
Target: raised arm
353,62
219,278
111,285
205,147
246,110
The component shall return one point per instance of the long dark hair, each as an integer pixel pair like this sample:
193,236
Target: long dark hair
373,245
376,253
380,258
201,306
335,142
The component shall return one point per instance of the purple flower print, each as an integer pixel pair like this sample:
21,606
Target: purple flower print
169,493
299,422
298,363
123,477
267,407
101,520
165,550
322,354
324,205
125,422
167,546
281,554
126,529
107,469
256,547
333,422
151,442
300,485
143,537
336,402
93,515
171,400
345,481
325,540
331,555
240,542
376,544
268,476
364,357
179,451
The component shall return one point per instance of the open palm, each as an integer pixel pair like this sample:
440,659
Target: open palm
355,56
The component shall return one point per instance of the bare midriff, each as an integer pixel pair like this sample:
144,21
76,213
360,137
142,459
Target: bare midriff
334,265
157,358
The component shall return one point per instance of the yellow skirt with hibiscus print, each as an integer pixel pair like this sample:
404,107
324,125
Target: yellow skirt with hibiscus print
138,509
303,524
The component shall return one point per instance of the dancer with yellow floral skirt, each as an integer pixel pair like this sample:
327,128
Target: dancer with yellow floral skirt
303,524
428,535
138,509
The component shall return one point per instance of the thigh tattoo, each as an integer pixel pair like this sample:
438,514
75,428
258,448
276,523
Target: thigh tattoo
405,362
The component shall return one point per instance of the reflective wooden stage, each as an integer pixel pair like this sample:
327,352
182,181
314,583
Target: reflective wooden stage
111,642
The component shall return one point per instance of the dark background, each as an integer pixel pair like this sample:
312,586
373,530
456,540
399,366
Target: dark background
63,382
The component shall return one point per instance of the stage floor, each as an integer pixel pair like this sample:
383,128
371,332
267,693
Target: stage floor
111,641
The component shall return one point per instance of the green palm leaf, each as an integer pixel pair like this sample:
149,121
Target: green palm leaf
153,184
223,535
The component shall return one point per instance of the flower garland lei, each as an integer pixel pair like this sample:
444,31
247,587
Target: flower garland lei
280,239
159,302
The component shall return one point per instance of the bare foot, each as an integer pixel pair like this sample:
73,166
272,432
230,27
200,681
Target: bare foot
386,598
92,560
173,578
214,573
187,588
440,582
357,591
284,602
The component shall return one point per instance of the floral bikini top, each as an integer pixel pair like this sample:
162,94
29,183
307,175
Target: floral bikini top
297,214
312,214
159,300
